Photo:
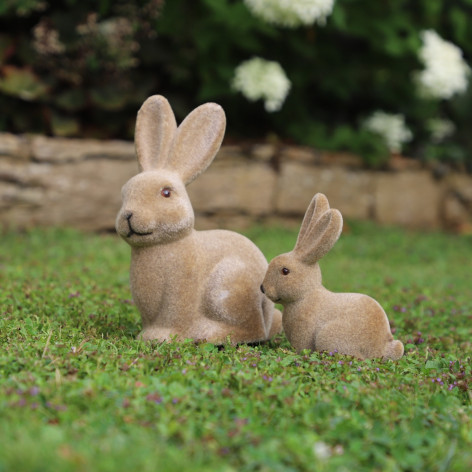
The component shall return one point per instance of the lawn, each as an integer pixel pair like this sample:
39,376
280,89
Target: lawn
78,392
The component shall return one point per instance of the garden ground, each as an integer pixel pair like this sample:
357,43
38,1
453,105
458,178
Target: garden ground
78,392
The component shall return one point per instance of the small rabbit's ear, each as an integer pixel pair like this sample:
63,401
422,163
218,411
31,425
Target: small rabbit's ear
155,131
197,141
319,204
320,233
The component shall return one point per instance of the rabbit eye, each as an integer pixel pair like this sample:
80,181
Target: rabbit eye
166,192
285,271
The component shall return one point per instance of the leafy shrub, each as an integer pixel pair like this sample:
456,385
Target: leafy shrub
84,68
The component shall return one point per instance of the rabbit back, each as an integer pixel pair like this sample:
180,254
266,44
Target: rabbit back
350,323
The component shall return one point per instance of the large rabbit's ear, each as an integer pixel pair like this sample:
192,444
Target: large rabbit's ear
197,141
320,233
155,131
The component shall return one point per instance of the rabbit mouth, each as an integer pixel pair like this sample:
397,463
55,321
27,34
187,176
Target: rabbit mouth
133,231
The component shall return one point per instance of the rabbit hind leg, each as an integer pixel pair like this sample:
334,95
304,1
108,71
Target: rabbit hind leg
333,338
233,298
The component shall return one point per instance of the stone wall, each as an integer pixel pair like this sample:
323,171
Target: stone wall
69,182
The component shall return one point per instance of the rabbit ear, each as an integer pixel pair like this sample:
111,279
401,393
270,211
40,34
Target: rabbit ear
197,141
319,204
155,131
320,233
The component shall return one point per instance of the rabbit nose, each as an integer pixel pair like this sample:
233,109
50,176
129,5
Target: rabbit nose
128,215
262,288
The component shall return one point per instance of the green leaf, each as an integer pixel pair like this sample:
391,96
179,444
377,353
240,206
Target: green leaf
461,23
22,83
109,97
71,100
433,364
63,125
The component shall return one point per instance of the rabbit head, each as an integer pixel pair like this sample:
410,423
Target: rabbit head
289,276
156,208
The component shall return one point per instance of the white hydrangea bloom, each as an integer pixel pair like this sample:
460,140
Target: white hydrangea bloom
322,450
391,127
440,129
257,79
445,73
291,13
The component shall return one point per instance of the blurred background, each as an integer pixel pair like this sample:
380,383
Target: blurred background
374,78
304,84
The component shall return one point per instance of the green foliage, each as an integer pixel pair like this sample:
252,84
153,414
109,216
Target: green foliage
86,68
21,7
79,392
75,64
22,83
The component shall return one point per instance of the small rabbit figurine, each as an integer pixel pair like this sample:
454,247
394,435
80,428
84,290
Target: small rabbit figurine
315,318
202,285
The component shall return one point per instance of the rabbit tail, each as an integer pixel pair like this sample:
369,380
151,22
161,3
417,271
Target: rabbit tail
393,350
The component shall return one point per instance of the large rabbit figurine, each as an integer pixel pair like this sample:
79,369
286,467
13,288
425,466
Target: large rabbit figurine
202,285
315,318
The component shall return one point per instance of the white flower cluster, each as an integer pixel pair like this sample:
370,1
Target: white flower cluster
446,72
46,40
291,13
392,128
440,129
322,450
257,78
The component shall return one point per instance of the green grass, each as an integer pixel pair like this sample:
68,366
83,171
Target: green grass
78,392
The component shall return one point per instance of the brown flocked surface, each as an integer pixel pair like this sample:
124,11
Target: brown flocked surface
315,318
187,283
